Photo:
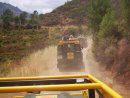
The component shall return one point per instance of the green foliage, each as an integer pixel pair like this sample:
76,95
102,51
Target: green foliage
23,17
126,17
96,11
11,22
126,6
110,22
107,25
7,18
18,44
17,20
34,18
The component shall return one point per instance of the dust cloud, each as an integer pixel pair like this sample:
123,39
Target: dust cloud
41,62
44,63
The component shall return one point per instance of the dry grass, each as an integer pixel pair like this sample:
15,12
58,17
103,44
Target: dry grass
37,63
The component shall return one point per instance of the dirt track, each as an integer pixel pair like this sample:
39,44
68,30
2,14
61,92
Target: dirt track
43,63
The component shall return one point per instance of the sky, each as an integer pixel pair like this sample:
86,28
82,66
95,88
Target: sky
42,6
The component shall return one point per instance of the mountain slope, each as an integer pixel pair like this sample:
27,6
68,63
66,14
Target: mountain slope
71,13
4,6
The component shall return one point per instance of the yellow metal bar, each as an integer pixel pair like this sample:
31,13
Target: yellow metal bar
42,78
69,87
19,97
95,85
107,89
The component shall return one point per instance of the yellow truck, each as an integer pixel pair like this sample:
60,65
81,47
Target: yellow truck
69,55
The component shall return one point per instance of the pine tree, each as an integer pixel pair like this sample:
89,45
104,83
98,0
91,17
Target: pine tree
7,18
96,11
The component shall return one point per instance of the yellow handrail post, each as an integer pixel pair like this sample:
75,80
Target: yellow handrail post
84,94
107,89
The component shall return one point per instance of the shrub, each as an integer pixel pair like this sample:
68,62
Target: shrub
107,25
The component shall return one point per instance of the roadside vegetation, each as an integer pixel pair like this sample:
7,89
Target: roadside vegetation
19,37
15,45
109,23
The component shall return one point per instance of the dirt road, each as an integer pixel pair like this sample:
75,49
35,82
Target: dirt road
43,63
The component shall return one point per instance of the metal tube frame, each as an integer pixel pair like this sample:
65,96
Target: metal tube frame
96,84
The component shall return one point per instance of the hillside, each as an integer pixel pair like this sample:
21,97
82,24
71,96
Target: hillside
4,6
110,20
71,13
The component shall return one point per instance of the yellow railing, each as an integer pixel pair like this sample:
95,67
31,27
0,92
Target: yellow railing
106,91
19,97
105,88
